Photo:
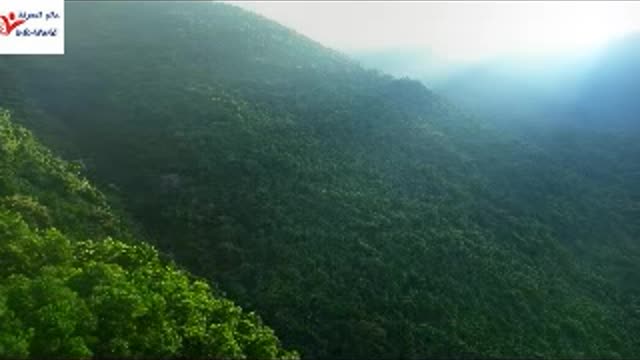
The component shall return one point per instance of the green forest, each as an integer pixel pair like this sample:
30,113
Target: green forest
206,183
68,289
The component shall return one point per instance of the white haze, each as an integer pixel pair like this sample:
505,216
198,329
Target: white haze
456,31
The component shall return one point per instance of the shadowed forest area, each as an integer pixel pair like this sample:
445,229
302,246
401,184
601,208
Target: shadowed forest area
233,189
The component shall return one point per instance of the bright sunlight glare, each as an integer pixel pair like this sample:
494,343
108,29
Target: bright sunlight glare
457,30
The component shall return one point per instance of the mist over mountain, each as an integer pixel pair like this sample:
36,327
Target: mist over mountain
607,92
408,62
352,213
583,88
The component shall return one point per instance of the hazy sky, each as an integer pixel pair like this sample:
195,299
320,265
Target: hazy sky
456,30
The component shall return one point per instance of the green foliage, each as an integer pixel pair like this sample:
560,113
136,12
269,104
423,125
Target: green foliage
65,298
60,298
362,216
47,190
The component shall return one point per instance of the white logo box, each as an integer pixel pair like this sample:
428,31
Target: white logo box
31,27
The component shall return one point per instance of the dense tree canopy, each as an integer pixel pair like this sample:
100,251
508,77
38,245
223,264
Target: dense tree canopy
70,298
360,215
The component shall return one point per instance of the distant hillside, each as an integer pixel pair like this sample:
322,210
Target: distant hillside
593,88
360,215
608,92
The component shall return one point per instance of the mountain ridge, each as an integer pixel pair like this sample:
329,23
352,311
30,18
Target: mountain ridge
360,215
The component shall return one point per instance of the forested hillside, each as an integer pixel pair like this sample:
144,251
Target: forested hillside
360,215
65,296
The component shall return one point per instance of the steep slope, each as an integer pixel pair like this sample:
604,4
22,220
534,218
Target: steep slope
361,215
64,296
